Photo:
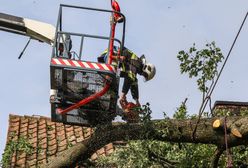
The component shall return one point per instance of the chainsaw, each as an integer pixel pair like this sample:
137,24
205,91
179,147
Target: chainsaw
130,111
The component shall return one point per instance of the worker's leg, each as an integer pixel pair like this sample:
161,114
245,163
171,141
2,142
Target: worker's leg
125,88
135,92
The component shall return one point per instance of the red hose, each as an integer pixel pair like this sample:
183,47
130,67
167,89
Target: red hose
85,101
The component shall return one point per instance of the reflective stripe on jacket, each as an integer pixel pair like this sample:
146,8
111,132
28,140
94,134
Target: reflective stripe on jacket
130,65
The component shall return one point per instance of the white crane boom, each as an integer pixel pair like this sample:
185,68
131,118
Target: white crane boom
41,31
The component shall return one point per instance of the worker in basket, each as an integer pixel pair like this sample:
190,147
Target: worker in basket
130,65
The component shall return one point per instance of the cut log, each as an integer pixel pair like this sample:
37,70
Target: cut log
217,124
236,132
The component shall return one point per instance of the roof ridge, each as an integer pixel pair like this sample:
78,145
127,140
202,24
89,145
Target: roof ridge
34,116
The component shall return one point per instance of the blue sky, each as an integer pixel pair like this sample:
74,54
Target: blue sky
158,29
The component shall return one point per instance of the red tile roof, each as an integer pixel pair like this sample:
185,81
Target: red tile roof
46,138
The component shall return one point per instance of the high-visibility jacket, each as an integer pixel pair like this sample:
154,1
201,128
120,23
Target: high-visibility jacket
104,56
131,65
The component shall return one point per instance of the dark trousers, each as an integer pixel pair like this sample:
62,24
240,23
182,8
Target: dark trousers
129,84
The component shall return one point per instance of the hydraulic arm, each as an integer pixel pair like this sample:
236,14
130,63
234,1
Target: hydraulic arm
37,30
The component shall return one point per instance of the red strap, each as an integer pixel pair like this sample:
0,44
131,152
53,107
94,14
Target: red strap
116,6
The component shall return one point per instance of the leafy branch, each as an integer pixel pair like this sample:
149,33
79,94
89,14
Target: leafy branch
201,64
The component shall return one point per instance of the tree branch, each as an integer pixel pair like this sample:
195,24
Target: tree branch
170,130
216,157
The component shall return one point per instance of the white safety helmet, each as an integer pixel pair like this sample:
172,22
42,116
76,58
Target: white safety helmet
148,69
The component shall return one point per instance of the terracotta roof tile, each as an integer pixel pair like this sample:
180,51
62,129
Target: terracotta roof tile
52,152
109,147
32,163
62,143
87,132
14,119
100,151
32,156
20,162
108,152
33,125
80,139
52,141
46,138
72,138
73,143
14,124
94,156
62,148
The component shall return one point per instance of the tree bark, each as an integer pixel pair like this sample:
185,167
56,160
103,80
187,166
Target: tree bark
216,157
170,130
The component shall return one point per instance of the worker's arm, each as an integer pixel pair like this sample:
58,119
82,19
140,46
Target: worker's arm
120,58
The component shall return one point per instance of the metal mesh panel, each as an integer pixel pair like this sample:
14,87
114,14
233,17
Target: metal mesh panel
83,84
75,85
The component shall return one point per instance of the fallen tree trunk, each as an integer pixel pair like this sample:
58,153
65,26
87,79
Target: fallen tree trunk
170,130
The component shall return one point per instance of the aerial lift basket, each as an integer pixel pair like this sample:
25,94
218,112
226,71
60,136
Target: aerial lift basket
82,92
71,84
